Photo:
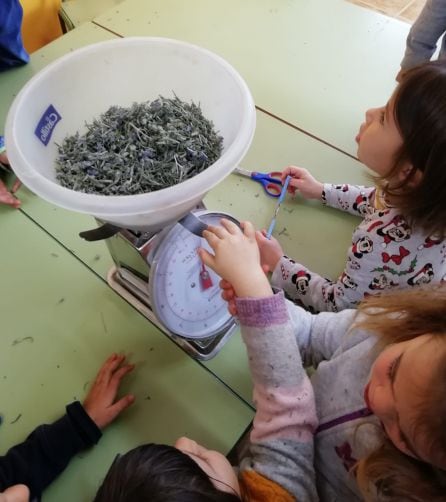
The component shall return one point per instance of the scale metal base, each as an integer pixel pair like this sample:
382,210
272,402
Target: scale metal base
130,251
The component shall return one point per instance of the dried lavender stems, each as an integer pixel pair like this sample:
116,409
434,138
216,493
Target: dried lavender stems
146,147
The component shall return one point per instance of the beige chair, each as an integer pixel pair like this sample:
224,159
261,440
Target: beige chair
40,24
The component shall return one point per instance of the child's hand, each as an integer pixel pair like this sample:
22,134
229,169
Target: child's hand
228,294
270,251
236,258
7,197
100,402
302,180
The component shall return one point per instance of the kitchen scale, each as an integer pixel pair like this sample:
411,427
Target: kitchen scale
162,276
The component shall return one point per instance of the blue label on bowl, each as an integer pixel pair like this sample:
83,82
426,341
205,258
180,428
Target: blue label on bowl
46,124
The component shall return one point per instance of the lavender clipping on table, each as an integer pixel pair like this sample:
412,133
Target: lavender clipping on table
140,149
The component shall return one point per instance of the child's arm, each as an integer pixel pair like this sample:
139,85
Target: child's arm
280,466
281,451
353,199
48,449
314,292
424,34
46,452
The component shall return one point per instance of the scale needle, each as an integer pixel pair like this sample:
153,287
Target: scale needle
205,278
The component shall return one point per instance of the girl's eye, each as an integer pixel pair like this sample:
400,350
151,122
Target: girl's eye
391,370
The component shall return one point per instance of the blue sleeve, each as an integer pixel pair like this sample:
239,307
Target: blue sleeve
12,52
47,451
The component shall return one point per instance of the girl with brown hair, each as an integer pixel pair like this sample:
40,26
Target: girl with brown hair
400,241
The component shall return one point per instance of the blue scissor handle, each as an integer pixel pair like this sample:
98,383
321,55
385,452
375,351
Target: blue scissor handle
271,182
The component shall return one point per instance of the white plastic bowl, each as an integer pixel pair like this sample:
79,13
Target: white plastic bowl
85,83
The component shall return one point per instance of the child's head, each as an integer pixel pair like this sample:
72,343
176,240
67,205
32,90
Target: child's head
406,391
404,143
161,473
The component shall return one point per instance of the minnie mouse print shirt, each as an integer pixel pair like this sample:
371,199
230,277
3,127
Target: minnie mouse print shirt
386,252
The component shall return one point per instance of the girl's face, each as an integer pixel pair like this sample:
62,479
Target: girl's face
17,493
379,139
213,463
399,379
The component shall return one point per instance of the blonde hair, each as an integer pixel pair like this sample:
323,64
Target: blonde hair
387,473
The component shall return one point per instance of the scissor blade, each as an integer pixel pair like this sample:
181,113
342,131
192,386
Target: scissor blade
243,172
276,210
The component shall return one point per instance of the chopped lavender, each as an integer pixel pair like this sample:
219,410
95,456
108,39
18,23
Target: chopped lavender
140,149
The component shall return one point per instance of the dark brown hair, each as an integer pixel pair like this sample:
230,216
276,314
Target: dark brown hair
420,115
158,473
387,473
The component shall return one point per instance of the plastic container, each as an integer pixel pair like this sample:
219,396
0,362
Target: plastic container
84,83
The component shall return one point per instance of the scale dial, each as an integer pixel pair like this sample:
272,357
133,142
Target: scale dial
185,295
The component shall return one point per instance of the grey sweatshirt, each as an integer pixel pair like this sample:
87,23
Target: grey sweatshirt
425,34
348,430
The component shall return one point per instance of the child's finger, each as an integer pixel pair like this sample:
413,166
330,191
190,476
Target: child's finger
119,374
227,295
261,236
224,284
120,406
110,365
220,232
8,199
285,172
294,185
12,201
206,257
211,238
248,229
266,268
232,308
113,364
17,184
230,226
288,171
100,374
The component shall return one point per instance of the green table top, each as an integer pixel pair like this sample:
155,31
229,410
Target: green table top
316,64
59,322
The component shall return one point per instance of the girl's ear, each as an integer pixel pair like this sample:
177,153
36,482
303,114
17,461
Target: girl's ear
408,170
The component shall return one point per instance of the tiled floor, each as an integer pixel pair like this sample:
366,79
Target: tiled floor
406,10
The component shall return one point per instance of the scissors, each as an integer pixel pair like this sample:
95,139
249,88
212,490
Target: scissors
271,182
